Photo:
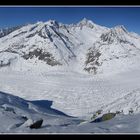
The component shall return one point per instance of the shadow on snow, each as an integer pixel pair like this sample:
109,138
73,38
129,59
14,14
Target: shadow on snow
46,105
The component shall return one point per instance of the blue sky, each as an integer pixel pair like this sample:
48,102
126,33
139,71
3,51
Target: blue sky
106,16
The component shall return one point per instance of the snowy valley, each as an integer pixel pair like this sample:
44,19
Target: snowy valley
69,76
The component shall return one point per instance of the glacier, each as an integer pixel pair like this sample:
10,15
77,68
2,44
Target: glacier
82,68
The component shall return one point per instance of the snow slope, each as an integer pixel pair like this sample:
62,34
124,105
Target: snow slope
81,68
16,115
115,51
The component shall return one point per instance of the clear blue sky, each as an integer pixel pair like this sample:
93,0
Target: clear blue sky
107,16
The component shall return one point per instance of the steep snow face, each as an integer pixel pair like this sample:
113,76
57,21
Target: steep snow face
116,50
52,43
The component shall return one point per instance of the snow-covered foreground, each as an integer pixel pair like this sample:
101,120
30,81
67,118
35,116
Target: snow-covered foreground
16,115
76,94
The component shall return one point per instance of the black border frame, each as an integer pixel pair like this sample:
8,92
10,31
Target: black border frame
69,3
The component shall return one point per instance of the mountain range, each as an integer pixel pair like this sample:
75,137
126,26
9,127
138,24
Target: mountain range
83,47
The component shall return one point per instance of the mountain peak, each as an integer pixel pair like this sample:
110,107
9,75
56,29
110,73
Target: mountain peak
52,23
39,22
120,28
116,33
85,21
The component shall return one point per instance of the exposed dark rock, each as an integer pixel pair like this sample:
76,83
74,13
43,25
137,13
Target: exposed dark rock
131,111
92,61
105,117
118,112
42,55
98,112
33,28
63,39
67,124
90,69
2,64
9,109
31,35
36,124
114,35
49,35
24,118
108,37
20,33
41,35
10,50
54,23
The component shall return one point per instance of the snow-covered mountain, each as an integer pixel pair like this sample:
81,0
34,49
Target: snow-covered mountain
56,62
116,50
83,47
